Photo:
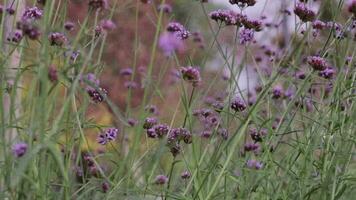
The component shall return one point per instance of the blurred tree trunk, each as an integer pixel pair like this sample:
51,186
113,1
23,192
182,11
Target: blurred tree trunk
11,67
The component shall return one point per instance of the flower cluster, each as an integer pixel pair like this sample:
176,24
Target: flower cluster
32,13
96,93
238,104
304,13
175,136
318,63
178,29
98,4
19,149
228,17
246,35
191,74
243,3
108,135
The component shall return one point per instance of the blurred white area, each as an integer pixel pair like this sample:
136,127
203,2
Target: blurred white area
273,11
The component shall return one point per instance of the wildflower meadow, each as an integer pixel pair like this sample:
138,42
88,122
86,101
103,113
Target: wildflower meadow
178,99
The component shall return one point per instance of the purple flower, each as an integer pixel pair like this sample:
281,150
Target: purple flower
178,29
130,84
126,72
108,135
228,17
327,73
151,133
97,95
238,105
300,75
257,135
170,43
304,13
252,24
15,36
52,73
206,133
185,175
107,25
29,29
166,8
57,39
152,109
277,91
19,149
161,130
246,35
150,122
223,133
191,74
69,26
10,10
251,146
243,3
105,186
319,25
317,62
132,122
178,134
98,4
352,7
254,164
161,179
32,13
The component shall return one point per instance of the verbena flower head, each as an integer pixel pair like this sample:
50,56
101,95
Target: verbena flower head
32,13
52,73
108,135
256,135
15,36
178,29
97,95
327,73
191,74
243,2
228,17
161,179
251,146
107,25
132,122
254,164
185,175
238,104
19,149
252,24
150,122
57,39
105,186
352,7
98,4
277,91
69,26
126,71
161,130
166,8
246,35
320,25
29,29
177,134
317,62
304,13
